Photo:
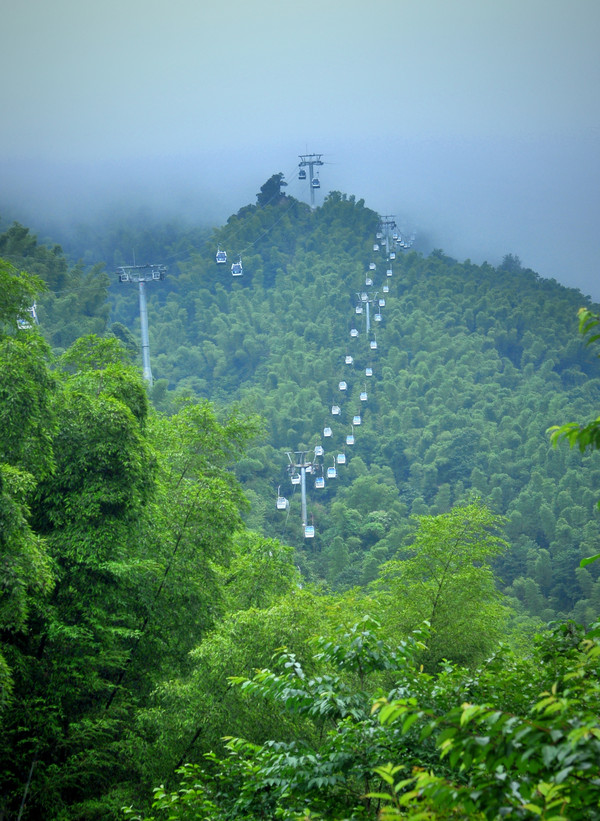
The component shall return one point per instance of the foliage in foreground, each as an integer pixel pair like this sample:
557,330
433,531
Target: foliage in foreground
515,738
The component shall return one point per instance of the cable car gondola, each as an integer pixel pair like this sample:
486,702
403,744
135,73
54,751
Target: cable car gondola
372,266
335,410
368,281
318,450
356,420
363,396
327,431
341,458
343,386
332,472
368,371
386,289
302,174
354,332
237,269
359,309
309,532
221,256
348,360
282,502
373,344
378,317
315,183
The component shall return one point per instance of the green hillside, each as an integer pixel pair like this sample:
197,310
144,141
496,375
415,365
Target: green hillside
473,364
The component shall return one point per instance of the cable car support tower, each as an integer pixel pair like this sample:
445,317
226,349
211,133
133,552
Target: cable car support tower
143,274
310,160
300,465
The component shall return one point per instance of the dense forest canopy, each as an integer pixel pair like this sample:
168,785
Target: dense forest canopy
148,576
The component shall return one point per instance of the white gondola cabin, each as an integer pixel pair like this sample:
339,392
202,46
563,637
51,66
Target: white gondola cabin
319,482
386,289
354,332
359,309
318,450
356,420
309,532
376,247
392,255
332,472
378,317
221,257
327,431
389,272
363,396
373,344
368,371
341,458
350,439
368,281
372,266
335,410
302,174
236,269
315,182
343,386
381,302
282,502
348,360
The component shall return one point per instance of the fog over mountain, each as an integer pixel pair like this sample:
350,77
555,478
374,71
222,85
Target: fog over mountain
476,123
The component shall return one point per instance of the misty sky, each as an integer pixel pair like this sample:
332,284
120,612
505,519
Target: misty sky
476,121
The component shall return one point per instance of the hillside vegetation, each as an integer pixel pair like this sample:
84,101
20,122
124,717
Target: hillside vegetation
162,621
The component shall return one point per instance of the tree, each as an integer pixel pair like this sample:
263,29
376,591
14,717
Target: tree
584,436
270,191
445,577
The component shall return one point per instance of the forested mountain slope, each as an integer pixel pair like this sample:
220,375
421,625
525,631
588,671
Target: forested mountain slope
473,364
